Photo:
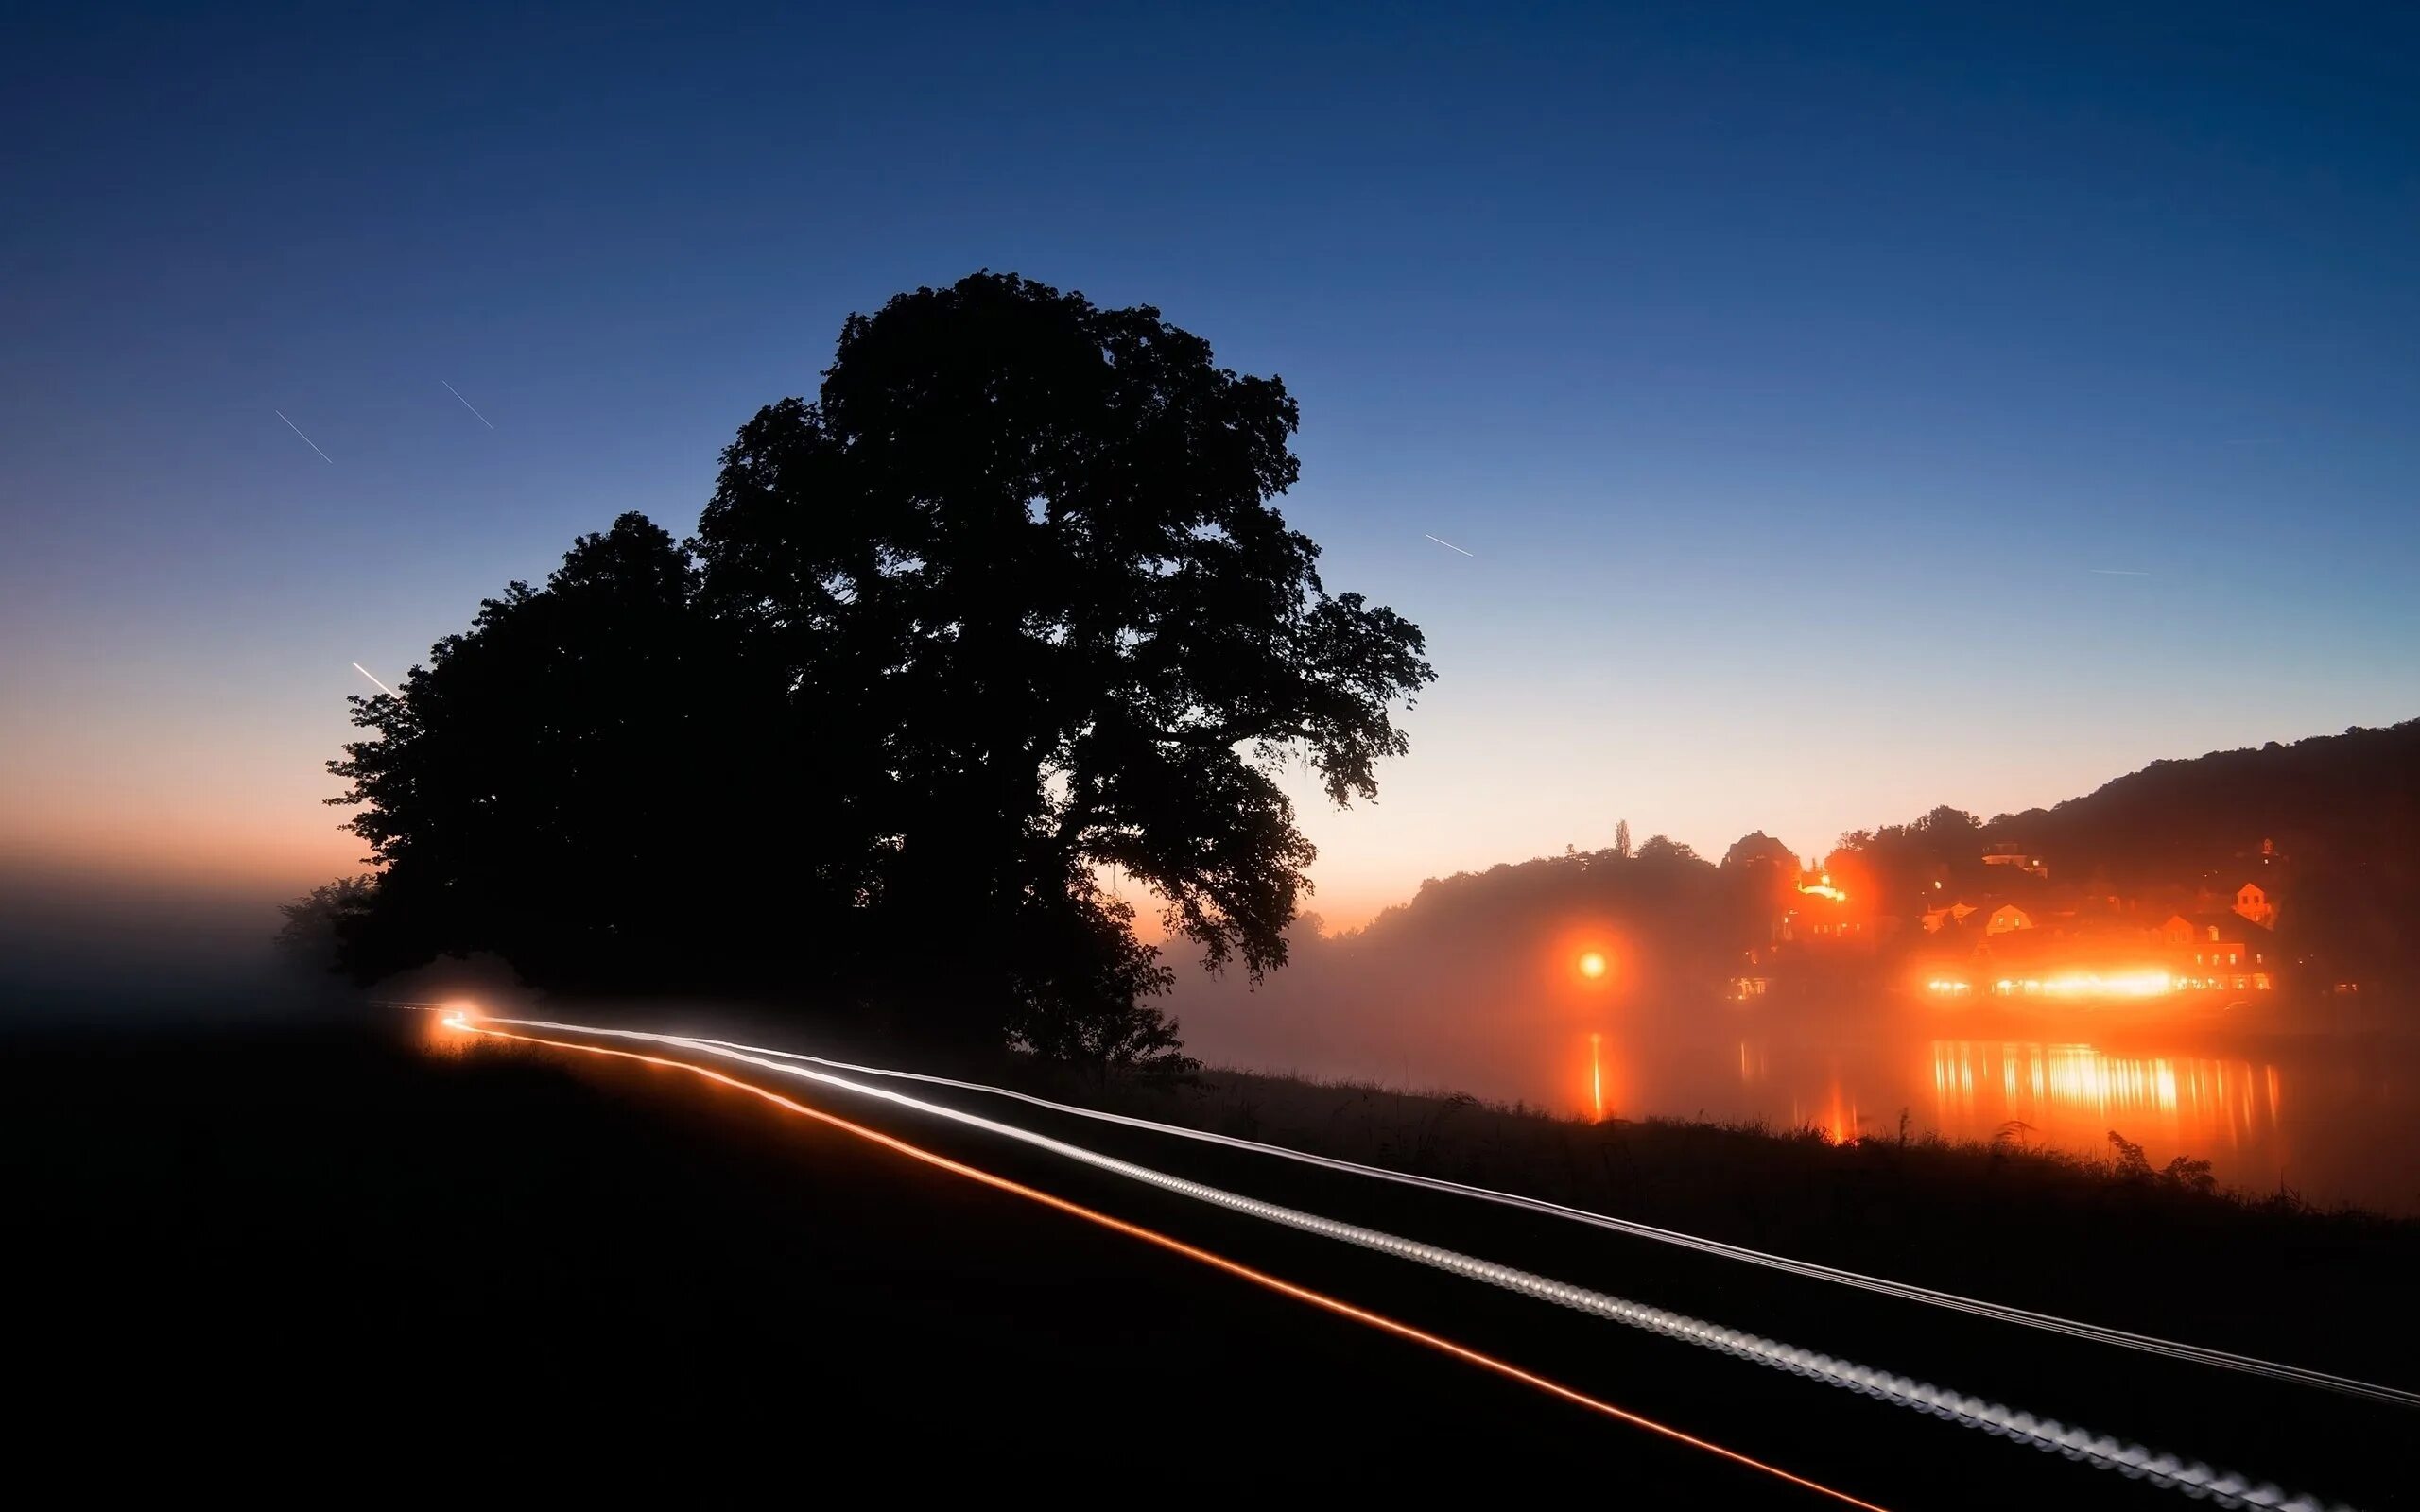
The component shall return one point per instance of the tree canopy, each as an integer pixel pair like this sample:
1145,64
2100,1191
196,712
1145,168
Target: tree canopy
1003,619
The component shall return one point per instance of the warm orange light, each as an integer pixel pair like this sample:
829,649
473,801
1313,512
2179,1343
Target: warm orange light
2148,984
1152,1236
1592,965
1597,1074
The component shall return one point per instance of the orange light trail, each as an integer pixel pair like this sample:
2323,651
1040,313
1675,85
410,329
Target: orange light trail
1178,1246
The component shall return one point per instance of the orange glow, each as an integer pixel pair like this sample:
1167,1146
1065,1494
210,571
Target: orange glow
1178,1246
1597,1074
2073,1094
2088,984
1592,965
439,1037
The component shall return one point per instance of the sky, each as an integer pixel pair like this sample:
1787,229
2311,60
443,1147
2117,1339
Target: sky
1846,410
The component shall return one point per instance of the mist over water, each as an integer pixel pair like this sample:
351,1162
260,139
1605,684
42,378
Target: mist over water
2330,1116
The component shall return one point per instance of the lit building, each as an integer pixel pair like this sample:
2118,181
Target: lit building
2006,917
2221,952
2252,901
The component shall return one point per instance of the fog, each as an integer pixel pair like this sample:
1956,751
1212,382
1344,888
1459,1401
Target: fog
75,945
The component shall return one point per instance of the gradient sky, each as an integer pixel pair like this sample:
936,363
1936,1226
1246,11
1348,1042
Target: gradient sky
1801,381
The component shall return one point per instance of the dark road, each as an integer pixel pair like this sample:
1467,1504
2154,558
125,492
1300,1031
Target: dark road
372,1234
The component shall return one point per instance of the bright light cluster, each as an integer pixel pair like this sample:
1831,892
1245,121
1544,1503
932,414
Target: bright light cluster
2088,984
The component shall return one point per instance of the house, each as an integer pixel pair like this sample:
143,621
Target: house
2252,901
2221,952
2040,963
2007,917
2010,856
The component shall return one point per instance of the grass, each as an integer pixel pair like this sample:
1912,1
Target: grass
2010,1219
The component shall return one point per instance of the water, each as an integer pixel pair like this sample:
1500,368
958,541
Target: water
2336,1120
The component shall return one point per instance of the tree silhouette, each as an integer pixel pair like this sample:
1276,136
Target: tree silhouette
1026,546
1005,614
1757,848
316,923
1662,850
585,783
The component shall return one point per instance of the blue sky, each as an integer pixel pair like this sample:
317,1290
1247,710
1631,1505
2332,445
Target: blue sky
1788,371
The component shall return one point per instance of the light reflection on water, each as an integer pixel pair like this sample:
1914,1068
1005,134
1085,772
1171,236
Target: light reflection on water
2336,1125
2073,1095
2337,1120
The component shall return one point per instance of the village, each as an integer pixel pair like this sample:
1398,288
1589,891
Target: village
2012,930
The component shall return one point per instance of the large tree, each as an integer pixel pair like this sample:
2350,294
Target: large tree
1027,549
596,780
1003,623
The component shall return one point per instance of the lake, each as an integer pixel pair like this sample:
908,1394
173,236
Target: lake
2336,1120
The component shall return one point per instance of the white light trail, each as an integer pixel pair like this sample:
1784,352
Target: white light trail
1449,546
467,405
2072,1328
375,682
2195,1478
307,441
455,1018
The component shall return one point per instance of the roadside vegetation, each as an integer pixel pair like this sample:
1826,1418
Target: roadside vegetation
2114,1238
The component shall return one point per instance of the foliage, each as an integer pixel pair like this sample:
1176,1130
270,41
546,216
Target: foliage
1005,611
315,923
2128,1156
589,783
1756,848
1029,545
2181,1174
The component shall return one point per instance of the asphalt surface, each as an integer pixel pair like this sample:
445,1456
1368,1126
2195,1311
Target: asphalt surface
301,1259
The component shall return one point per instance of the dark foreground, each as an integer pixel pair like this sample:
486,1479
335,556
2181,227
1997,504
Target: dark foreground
334,1260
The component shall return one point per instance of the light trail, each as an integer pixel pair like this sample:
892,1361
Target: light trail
467,405
373,680
1178,1246
307,441
2196,1479
2072,1328
1448,545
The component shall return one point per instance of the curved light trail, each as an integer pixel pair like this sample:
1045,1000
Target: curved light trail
2220,1359
1170,1243
2227,1488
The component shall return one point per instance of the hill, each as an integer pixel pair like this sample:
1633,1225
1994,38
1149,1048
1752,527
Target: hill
2334,820
2332,823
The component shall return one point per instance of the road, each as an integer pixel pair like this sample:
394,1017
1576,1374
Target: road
1316,1204
648,1256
